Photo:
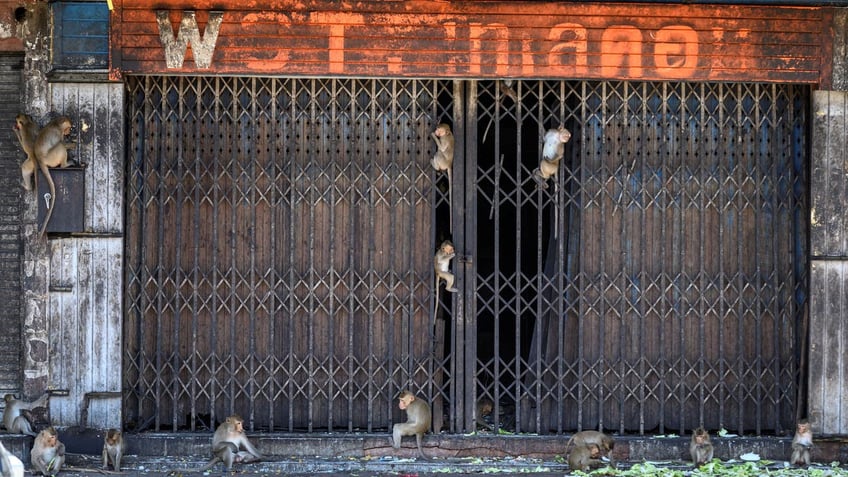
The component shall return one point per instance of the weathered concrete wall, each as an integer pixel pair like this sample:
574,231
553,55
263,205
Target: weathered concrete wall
33,32
10,38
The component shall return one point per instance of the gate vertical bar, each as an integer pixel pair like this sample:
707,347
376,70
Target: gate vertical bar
465,114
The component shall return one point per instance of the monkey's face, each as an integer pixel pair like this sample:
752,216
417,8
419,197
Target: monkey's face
447,248
113,437
803,427
442,130
564,135
404,402
594,451
238,426
66,128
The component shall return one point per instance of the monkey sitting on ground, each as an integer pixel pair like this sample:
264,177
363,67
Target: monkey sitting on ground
12,466
604,442
417,421
26,131
443,160
227,442
802,443
48,453
50,151
113,449
700,448
13,415
485,406
552,151
585,457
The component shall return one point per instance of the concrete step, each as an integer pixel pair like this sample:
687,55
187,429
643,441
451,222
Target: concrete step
449,453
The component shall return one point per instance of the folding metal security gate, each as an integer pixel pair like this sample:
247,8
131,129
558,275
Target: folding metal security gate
279,251
281,233
658,285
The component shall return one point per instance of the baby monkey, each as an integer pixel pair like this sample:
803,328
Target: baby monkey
585,457
417,421
802,443
700,448
113,449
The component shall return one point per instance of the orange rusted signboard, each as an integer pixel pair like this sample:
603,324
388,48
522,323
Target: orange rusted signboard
491,39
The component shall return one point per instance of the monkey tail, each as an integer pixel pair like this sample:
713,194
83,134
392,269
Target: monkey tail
35,177
450,198
570,439
46,171
436,308
206,467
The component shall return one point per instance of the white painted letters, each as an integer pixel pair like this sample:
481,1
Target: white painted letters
202,46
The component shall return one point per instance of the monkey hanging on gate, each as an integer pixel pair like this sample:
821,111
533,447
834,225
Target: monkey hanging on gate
443,160
552,151
441,265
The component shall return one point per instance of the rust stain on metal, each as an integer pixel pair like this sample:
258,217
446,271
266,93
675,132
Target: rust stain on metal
476,40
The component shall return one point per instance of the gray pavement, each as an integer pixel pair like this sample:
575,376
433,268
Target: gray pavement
84,465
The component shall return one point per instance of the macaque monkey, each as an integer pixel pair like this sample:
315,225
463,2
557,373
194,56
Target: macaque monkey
50,151
227,442
443,160
604,442
12,466
26,131
485,406
441,264
113,449
552,152
700,448
48,454
584,458
802,443
13,418
417,421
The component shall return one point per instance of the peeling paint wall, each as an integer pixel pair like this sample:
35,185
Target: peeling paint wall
29,23
9,36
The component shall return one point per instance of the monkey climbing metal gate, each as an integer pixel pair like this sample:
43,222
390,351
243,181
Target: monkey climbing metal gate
659,284
279,260
281,232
